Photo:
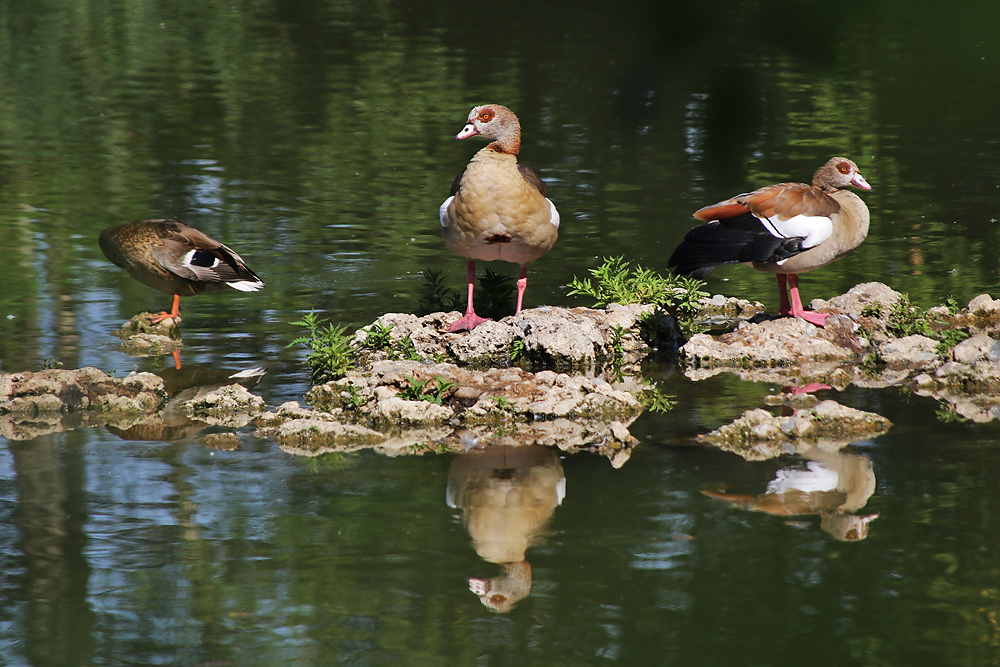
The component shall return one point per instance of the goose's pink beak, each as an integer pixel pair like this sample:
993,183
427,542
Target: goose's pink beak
468,131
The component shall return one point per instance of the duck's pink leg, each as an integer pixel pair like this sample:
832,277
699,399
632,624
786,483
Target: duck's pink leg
819,319
471,320
783,308
522,282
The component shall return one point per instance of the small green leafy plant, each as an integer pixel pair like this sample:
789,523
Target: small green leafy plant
379,339
436,296
329,348
494,295
503,404
432,390
905,319
379,336
617,281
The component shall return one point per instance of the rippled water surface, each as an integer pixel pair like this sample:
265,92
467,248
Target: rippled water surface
315,138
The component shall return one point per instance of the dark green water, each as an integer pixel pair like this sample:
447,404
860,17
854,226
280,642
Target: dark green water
315,138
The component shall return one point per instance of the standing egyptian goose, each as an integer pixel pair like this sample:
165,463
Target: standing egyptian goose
498,209
176,259
787,229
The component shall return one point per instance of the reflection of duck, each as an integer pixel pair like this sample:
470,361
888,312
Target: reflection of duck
176,259
507,495
833,483
172,423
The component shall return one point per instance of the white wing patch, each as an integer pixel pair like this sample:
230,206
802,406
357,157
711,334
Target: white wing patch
444,209
813,229
246,285
554,215
817,478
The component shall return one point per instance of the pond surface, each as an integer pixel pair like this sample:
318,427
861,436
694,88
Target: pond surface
315,138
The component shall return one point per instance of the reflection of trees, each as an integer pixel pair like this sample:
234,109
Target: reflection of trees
51,513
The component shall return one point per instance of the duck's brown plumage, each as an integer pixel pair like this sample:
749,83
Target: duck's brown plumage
786,229
174,258
498,209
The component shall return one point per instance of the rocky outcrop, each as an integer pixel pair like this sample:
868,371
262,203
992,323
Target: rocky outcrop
871,341
565,339
142,337
36,403
412,407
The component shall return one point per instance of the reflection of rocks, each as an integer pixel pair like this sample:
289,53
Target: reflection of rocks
33,404
759,435
497,406
506,495
829,481
548,337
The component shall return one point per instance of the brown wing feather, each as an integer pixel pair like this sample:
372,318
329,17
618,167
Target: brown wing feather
787,200
725,209
456,183
532,177
179,239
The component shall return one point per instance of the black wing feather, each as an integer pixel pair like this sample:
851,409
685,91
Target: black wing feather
733,240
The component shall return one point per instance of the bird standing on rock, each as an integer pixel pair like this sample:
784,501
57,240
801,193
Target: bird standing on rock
498,209
176,259
787,229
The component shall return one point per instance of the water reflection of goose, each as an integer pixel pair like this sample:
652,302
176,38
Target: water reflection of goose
507,495
832,483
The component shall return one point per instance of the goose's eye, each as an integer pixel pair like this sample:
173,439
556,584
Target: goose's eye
843,167
486,116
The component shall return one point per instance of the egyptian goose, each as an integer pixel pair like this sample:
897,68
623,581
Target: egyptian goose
787,229
498,209
176,259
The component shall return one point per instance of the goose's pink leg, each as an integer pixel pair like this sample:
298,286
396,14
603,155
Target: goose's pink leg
471,320
819,319
522,282
783,308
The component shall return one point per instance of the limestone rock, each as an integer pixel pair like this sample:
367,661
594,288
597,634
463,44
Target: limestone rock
468,408
232,405
34,403
759,435
913,352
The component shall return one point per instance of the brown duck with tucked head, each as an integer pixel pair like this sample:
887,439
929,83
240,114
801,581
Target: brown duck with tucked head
787,229
498,209
175,259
